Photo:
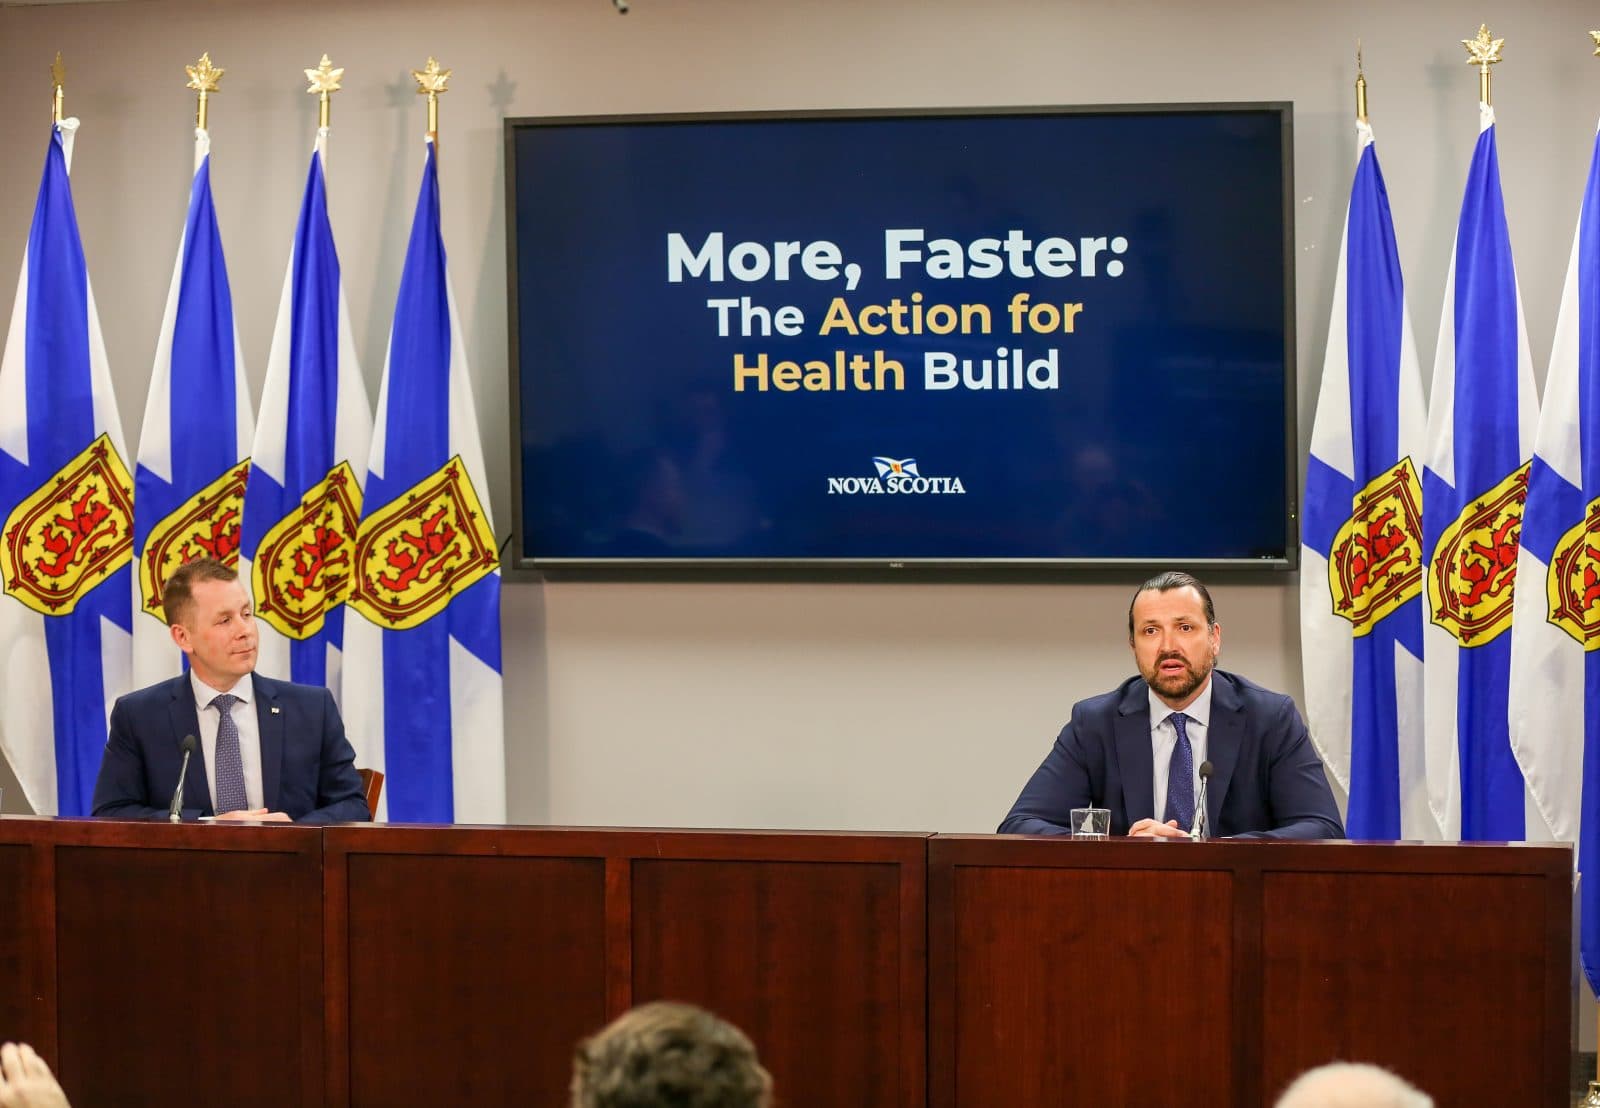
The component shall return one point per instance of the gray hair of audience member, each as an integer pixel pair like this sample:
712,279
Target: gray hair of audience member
1352,1085
669,1055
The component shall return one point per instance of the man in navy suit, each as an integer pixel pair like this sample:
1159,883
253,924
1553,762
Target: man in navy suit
269,750
1138,749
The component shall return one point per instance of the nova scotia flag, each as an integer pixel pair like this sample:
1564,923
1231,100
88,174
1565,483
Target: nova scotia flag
422,678
1361,576
66,515
1555,664
193,460
1481,418
309,461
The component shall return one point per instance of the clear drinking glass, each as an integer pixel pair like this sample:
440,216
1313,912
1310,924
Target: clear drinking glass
1091,823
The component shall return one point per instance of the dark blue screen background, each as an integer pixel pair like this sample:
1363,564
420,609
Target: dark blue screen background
1166,439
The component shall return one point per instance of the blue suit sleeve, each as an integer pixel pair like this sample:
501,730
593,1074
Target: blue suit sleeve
1302,803
339,795
1060,784
120,790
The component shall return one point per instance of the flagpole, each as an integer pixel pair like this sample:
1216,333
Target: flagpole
58,81
203,78
431,83
1483,52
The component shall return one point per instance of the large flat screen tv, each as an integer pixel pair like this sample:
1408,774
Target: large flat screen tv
1002,338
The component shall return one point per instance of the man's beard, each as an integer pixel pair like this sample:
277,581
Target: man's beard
1177,686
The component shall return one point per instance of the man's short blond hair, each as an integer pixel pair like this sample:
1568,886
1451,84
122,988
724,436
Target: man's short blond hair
1352,1085
178,592
667,1055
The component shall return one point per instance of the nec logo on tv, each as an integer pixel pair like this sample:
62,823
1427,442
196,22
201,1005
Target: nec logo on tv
895,475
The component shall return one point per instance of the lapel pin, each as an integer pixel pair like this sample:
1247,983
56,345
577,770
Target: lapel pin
274,709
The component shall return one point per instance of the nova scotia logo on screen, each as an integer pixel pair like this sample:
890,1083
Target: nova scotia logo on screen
895,475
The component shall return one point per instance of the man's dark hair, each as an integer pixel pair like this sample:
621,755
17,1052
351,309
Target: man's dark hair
1166,582
178,593
669,1055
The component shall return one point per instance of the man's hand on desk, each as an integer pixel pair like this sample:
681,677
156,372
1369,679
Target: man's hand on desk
25,1080
253,815
1155,829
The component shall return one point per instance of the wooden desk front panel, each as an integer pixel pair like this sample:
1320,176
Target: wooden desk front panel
1122,972
479,957
27,973
1103,989
806,957
189,964
1442,977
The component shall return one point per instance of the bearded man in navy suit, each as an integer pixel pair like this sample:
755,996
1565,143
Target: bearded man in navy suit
1138,749
280,753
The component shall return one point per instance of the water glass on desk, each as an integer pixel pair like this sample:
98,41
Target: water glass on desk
1090,823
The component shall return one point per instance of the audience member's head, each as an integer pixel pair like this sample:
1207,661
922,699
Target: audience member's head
666,1055
1352,1085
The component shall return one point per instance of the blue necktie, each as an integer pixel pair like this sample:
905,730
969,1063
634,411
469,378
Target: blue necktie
230,763
1180,775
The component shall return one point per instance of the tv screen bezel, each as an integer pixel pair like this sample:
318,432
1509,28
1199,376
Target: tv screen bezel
516,565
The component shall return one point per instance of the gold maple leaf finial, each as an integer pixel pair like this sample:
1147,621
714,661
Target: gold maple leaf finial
324,83
58,71
1596,36
430,78
1483,50
203,76
325,78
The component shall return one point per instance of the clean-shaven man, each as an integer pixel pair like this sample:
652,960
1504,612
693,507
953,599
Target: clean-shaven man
268,750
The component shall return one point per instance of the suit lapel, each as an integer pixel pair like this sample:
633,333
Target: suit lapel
186,721
1134,758
1222,744
269,722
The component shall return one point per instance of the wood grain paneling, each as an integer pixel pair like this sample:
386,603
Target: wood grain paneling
189,968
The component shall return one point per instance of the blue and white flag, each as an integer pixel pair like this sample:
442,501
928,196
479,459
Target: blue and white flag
1555,648
194,448
423,668
66,515
309,462
1481,418
1361,575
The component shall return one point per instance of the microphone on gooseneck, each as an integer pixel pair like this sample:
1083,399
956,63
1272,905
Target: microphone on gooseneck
1202,823
175,809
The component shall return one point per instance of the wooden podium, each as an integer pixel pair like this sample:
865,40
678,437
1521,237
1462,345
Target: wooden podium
363,965
1138,972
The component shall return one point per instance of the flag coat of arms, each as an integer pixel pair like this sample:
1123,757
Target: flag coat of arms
308,464
1481,419
193,449
423,663
1555,649
1361,578
66,514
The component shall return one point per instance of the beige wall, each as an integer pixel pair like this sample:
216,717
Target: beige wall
909,706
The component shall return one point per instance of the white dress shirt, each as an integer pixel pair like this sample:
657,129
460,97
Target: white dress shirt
244,718
1164,737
